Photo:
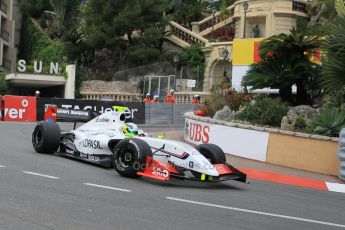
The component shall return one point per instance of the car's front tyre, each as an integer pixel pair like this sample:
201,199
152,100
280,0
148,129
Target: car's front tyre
212,152
129,157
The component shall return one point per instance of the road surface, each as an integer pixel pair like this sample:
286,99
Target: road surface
39,191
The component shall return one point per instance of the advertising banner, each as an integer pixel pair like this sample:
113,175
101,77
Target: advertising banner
137,109
232,140
0,107
19,108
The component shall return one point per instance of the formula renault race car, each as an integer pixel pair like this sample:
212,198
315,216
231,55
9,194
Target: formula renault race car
109,141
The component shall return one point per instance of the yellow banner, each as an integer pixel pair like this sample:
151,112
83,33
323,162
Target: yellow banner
244,51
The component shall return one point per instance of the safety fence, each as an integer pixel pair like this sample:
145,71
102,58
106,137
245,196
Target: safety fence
30,109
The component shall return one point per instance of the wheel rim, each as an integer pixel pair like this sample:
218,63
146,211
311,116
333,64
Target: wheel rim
126,157
38,137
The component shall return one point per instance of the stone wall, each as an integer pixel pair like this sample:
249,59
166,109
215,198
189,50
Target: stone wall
110,86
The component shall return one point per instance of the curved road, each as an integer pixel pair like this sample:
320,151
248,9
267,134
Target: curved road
40,191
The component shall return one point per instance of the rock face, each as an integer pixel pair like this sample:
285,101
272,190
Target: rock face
110,86
298,117
226,114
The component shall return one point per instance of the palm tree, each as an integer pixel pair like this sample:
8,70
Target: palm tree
285,63
333,74
64,10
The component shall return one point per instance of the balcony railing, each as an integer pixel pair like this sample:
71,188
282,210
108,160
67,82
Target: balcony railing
3,7
5,35
185,34
208,22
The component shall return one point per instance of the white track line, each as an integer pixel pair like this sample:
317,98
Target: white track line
107,187
41,175
256,212
335,187
2,166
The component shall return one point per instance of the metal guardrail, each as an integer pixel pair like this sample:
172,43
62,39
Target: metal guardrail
3,7
166,114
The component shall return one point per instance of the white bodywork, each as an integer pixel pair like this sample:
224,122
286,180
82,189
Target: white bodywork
93,137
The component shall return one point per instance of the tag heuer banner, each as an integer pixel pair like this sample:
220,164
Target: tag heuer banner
136,109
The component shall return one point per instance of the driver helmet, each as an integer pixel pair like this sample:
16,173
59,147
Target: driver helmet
155,97
148,94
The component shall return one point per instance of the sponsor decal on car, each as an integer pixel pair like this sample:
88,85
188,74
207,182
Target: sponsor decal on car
102,120
94,144
70,151
86,156
191,164
159,172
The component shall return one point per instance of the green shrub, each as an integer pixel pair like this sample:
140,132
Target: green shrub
264,111
300,123
328,122
35,45
212,104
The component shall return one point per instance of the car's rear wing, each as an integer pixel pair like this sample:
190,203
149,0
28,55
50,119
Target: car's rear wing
75,115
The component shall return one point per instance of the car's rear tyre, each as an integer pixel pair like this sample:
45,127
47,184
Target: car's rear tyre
212,152
130,157
46,137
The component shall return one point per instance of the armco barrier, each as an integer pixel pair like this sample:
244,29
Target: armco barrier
166,114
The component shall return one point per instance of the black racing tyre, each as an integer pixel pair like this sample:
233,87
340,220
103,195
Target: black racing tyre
46,137
129,157
212,152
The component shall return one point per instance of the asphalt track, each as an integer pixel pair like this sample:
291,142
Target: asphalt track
40,191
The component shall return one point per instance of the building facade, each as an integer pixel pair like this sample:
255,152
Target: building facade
10,18
247,20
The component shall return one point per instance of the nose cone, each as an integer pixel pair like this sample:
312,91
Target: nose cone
202,165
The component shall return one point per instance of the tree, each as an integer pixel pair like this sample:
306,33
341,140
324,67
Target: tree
193,57
333,74
130,31
191,11
64,10
286,62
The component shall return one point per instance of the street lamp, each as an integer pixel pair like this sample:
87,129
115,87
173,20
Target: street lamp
245,8
225,54
214,10
176,60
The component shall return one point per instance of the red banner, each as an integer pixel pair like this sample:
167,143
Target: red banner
257,57
19,108
0,108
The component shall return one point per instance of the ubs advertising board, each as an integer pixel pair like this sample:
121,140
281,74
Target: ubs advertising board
137,109
232,140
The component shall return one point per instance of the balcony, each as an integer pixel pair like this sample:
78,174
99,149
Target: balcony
5,35
3,7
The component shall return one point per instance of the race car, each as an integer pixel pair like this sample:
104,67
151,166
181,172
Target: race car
110,141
